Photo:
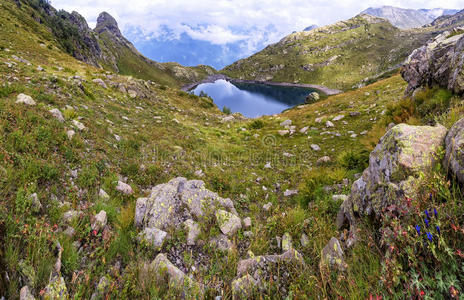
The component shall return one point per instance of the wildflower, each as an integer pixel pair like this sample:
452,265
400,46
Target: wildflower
438,229
94,232
427,213
429,236
418,229
422,293
435,212
426,222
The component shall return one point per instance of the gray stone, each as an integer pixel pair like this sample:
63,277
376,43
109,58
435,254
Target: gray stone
315,147
287,242
153,237
193,230
329,124
323,160
312,98
100,82
36,205
56,113
304,240
25,294
25,99
244,287
267,206
338,118
103,195
124,188
332,256
304,129
339,197
100,221
228,222
70,134
222,243
289,193
78,125
247,222
286,123
454,156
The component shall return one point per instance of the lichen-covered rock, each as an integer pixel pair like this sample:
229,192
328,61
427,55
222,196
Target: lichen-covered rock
153,236
440,62
393,174
222,243
263,269
124,188
287,242
100,221
332,256
167,273
454,156
312,97
228,222
193,230
25,99
243,287
56,113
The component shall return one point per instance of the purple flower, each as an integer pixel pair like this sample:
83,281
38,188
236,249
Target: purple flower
430,197
418,229
427,213
435,212
429,236
438,229
426,222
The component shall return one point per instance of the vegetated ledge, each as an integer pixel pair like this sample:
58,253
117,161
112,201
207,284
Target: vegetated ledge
325,90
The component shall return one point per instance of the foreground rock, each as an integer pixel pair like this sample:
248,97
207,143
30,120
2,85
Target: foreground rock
168,274
454,156
440,62
394,172
255,274
25,99
332,256
183,203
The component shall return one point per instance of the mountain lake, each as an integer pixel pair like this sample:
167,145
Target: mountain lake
253,99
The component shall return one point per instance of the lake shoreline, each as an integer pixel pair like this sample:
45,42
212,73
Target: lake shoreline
211,79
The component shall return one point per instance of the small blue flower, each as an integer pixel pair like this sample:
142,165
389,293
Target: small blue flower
438,229
429,236
418,229
435,212
426,222
427,213
430,197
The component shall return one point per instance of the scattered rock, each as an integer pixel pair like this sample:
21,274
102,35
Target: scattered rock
70,231
103,195
70,134
247,222
25,294
286,123
222,243
287,242
319,120
332,256
199,173
100,221
329,124
100,82
267,206
312,97
244,287
124,188
354,113
56,113
339,197
228,222
283,132
315,147
454,156
132,93
323,160
268,165
78,125
153,236
56,288
289,193
304,240
193,230
101,288
36,205
338,118
167,273
227,119
304,130
25,99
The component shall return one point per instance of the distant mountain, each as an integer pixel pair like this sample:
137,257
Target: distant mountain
106,47
408,18
340,56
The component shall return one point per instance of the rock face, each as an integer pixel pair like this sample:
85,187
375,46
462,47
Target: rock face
439,62
171,204
260,269
454,156
393,173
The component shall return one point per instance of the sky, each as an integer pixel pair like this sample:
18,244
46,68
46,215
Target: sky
250,24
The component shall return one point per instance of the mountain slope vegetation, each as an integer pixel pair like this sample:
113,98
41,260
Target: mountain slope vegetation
78,162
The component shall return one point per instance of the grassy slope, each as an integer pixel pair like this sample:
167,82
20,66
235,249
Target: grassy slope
356,44
37,157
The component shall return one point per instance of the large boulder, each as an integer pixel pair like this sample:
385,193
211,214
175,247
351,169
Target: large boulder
394,172
172,204
454,156
439,62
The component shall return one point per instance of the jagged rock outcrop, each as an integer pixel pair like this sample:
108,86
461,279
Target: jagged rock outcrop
395,166
439,62
454,156
171,204
255,273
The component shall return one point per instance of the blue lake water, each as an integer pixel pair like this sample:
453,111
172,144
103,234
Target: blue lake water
251,99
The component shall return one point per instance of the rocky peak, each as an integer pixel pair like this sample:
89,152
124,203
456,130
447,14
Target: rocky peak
79,21
106,22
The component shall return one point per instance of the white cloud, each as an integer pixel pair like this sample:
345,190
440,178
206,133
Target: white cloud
227,21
